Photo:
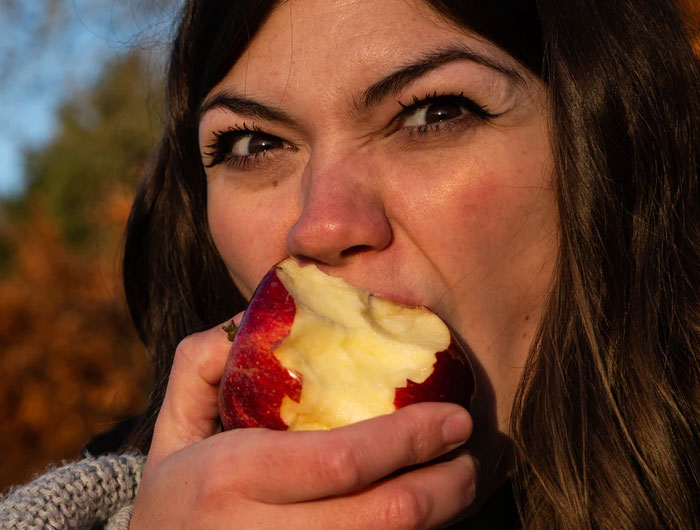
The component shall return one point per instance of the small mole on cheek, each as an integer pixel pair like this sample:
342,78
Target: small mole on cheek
527,317
524,335
274,183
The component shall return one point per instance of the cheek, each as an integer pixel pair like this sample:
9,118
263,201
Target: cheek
505,208
509,256
228,232
494,246
488,223
509,238
485,205
248,237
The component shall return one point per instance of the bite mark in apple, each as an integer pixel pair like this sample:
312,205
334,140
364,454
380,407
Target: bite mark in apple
314,352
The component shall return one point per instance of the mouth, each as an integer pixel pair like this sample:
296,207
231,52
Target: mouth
398,298
372,285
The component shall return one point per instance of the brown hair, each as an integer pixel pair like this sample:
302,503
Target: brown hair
607,416
606,421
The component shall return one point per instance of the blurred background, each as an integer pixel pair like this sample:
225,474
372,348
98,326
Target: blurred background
80,110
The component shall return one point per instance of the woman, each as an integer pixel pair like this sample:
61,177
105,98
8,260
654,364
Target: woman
528,171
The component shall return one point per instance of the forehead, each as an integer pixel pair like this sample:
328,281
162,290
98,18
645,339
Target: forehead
343,43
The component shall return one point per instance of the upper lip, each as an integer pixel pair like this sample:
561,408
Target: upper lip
394,293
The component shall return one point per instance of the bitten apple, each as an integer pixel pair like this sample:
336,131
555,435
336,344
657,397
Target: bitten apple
314,352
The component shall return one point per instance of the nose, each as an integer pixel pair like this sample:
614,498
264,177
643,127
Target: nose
342,214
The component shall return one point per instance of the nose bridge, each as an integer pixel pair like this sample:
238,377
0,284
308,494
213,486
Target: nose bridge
340,180
342,208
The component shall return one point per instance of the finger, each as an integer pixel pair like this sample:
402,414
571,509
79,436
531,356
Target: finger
189,412
314,464
424,498
237,319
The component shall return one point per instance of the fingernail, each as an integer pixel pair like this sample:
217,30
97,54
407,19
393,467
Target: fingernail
456,429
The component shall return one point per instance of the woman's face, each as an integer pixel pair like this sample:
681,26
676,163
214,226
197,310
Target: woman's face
401,153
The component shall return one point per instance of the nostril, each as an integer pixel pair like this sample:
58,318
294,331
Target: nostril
351,251
303,259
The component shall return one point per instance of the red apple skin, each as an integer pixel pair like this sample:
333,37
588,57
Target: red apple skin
452,381
255,382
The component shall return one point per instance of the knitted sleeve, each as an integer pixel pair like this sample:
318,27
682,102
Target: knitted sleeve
76,496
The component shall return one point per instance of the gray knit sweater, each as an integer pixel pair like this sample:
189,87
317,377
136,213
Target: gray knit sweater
89,493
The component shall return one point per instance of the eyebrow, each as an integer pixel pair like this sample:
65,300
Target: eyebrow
246,107
390,85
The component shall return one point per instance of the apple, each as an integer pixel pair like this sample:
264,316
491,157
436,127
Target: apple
314,352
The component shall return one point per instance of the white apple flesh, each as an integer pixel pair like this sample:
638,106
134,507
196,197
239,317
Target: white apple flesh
314,352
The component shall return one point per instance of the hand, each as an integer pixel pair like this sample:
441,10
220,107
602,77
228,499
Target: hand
345,478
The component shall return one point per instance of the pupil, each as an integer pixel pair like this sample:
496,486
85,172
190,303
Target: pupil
258,144
442,112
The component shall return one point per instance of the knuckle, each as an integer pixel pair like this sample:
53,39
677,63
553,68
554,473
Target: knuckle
203,354
184,351
417,436
338,466
208,495
188,354
215,491
198,493
469,477
406,509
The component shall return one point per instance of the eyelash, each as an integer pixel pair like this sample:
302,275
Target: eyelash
219,151
473,112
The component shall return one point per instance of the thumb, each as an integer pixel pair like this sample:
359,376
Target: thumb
189,412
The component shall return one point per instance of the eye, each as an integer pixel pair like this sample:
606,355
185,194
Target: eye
239,147
434,112
254,144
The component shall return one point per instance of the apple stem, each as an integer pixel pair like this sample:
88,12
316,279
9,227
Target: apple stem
231,329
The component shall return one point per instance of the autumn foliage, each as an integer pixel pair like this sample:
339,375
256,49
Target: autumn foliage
70,360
